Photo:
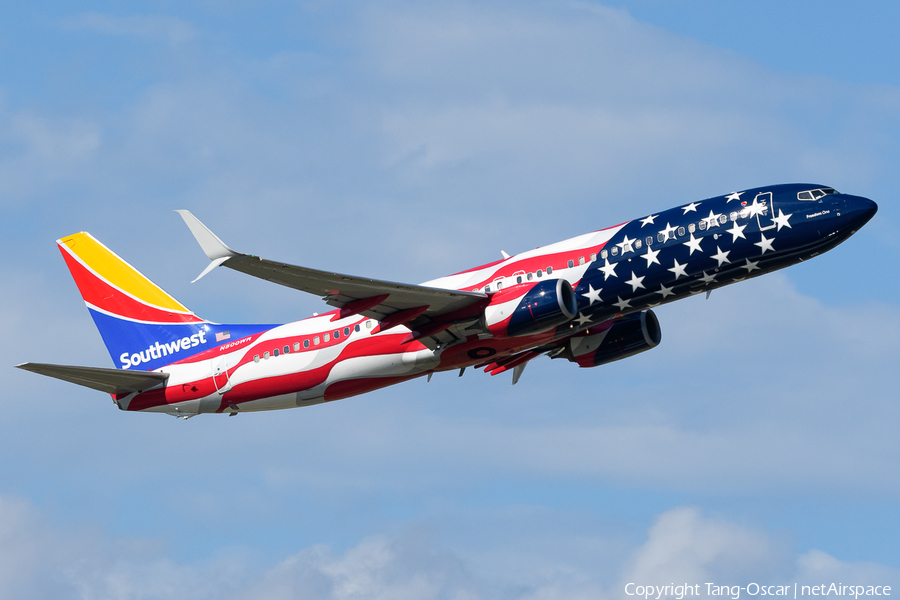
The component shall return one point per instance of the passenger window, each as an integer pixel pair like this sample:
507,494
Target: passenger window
702,225
528,277
346,331
265,356
661,237
286,350
306,342
692,228
723,219
593,256
571,263
540,273
745,212
326,337
615,251
733,216
369,324
549,270
672,234
637,244
649,240
499,285
680,231
275,352
296,346
256,358
487,289
519,279
580,260
604,254
337,334
356,327
316,341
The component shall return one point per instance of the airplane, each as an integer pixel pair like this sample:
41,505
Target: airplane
587,299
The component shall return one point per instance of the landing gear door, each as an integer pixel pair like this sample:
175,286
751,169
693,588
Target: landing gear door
220,374
765,212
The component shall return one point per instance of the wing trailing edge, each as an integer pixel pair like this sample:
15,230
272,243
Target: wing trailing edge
373,298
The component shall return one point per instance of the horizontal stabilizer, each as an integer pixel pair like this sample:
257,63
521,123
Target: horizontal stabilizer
111,381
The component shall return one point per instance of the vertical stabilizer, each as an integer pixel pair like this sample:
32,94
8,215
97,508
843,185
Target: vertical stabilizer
142,326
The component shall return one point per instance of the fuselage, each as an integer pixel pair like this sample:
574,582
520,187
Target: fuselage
615,272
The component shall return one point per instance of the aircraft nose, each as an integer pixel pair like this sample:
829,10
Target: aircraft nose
858,210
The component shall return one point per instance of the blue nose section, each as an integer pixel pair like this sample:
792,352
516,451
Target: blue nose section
858,210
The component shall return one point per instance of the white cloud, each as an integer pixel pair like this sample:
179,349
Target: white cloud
683,546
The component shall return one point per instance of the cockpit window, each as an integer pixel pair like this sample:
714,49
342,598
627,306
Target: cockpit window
815,194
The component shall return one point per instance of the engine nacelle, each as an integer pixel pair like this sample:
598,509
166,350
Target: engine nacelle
632,335
530,308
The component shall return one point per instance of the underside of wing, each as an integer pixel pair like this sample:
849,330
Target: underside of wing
111,381
419,307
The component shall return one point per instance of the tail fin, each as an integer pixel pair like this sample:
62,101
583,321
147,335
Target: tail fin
142,326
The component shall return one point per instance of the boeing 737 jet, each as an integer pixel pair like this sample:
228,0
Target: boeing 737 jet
587,300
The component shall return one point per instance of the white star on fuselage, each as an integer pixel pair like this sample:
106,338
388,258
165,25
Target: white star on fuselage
582,319
690,207
650,256
592,294
765,244
635,282
667,231
708,279
712,220
626,245
693,244
622,304
736,231
751,266
756,208
733,196
648,220
665,291
782,220
678,270
720,256
608,270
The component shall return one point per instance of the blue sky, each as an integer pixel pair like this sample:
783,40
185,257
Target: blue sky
411,140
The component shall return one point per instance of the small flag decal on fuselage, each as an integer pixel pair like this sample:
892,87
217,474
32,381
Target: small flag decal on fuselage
223,335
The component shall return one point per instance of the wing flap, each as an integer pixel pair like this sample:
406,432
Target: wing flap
111,381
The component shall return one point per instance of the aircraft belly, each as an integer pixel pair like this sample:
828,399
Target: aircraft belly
361,367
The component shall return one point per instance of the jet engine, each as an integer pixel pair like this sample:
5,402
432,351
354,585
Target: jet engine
530,308
618,339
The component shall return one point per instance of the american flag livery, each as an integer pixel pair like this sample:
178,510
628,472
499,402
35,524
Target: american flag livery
587,299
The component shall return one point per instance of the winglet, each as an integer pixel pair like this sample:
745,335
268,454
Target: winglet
212,246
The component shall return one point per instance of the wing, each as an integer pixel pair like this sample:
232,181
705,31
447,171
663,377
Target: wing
111,381
425,309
